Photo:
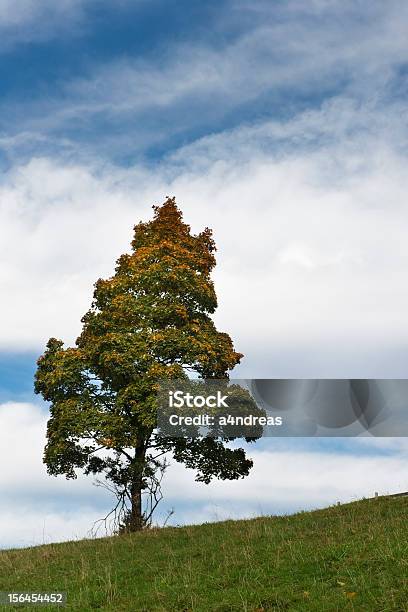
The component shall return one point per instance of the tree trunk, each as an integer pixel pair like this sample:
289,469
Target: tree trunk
136,515
136,522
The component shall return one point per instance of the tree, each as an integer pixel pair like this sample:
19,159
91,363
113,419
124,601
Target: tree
149,321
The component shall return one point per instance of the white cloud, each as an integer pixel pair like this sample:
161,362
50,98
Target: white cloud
290,51
37,508
312,246
33,20
27,526
287,481
12,13
26,21
22,441
287,54
52,219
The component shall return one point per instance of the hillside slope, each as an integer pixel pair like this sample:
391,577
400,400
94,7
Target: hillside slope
351,557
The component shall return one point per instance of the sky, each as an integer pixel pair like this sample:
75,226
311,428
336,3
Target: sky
282,126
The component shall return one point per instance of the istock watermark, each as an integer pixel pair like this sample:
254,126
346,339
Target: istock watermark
179,399
253,408
216,408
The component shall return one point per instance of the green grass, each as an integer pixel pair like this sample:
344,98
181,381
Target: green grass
350,557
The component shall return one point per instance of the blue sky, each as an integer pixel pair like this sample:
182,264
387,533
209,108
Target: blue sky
283,126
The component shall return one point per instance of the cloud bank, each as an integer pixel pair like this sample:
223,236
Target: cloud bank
288,137
312,250
282,58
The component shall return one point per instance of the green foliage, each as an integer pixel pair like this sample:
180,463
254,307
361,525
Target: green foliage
149,321
351,557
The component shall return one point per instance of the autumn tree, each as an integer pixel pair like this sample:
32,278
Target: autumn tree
149,321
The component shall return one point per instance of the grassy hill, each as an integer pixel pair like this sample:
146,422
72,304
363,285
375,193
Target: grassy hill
350,557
